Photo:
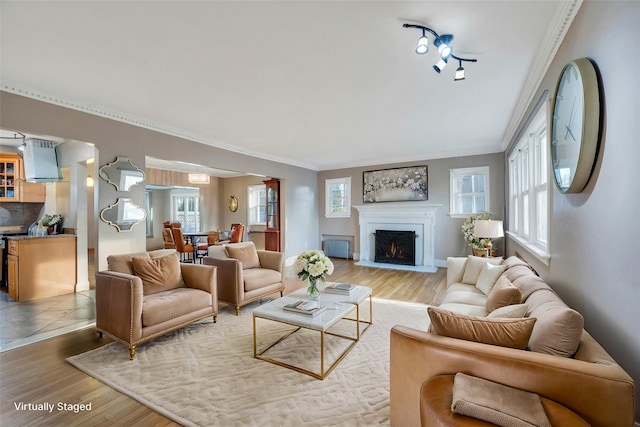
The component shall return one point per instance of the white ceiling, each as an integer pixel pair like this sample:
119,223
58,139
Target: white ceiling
322,84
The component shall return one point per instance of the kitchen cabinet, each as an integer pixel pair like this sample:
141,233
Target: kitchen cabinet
13,188
41,267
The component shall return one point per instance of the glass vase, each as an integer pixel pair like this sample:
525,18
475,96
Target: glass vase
312,289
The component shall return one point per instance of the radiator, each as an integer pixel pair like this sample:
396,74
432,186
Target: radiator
336,248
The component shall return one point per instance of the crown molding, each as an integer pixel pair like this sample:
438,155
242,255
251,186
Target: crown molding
22,90
565,13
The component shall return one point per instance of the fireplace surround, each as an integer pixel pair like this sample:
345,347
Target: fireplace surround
419,217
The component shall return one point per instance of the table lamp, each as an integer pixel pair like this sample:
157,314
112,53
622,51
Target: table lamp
487,229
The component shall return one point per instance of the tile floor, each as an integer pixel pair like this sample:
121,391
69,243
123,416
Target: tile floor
23,323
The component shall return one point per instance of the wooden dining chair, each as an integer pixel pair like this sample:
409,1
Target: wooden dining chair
167,236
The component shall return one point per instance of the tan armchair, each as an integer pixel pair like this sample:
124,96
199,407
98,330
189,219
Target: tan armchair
246,274
145,295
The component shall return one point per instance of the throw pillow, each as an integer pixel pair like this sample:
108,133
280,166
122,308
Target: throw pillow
502,294
488,276
473,268
247,255
513,333
158,274
514,311
497,403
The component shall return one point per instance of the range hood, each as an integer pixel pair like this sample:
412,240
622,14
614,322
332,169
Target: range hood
40,161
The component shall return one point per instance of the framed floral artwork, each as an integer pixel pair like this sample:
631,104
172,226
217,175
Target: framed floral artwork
397,184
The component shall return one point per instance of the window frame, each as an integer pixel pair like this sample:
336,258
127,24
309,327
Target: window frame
455,175
529,161
174,210
328,185
251,190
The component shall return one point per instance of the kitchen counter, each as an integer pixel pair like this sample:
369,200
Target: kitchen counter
41,266
48,236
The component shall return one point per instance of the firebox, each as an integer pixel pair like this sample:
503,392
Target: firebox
395,247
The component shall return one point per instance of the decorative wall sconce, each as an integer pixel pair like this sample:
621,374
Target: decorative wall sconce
445,52
233,203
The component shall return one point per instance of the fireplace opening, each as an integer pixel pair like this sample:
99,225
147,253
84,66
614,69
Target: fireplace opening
395,247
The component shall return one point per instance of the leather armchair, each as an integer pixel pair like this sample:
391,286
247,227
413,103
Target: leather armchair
238,285
127,312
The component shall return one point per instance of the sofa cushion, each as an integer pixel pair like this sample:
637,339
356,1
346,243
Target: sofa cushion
512,333
558,329
247,255
514,311
514,261
256,278
123,263
502,294
488,276
465,297
530,284
158,274
163,306
473,268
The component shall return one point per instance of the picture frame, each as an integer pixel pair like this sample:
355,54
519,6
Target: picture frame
395,184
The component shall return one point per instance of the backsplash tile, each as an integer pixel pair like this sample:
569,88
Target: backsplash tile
23,214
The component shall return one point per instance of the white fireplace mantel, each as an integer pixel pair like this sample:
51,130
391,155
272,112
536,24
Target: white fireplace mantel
419,217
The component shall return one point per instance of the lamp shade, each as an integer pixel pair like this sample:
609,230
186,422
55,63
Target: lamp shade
487,228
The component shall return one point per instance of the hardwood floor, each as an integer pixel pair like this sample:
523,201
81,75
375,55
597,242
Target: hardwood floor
38,373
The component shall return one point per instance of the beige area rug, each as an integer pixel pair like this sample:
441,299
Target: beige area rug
206,375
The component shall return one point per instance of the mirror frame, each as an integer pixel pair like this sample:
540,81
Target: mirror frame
120,164
122,226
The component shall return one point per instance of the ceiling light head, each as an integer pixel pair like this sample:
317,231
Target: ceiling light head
459,73
443,44
440,65
423,45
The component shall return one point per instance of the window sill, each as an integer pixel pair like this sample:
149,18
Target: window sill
337,216
541,255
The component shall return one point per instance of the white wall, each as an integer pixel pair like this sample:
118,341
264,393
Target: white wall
594,235
114,139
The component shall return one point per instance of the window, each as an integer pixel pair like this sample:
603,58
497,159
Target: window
529,188
257,204
337,198
469,191
186,210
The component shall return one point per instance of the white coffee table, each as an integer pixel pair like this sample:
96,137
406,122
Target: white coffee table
339,307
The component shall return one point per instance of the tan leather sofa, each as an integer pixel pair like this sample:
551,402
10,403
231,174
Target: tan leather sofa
589,382
246,274
132,310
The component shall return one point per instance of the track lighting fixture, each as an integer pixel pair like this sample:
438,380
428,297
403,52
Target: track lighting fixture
459,73
423,44
445,51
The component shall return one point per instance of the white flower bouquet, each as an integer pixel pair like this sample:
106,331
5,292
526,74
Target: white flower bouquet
468,228
313,266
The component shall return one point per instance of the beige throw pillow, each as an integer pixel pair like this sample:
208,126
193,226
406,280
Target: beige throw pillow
488,276
502,294
158,274
247,255
473,268
513,333
514,311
